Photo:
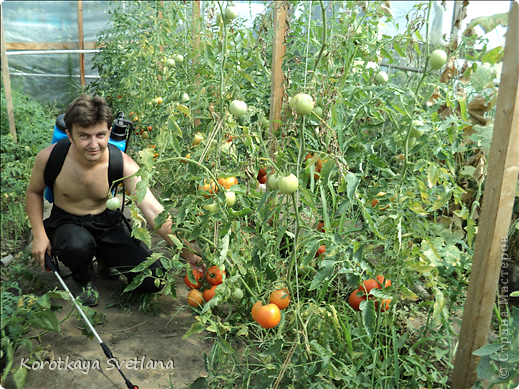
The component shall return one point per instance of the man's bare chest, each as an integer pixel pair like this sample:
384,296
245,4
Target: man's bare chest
77,183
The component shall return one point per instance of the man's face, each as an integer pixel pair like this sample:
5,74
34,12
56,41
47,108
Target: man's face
90,142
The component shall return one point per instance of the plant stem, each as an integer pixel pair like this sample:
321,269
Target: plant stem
323,15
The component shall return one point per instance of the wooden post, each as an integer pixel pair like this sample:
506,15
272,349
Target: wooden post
196,43
81,41
161,47
278,53
7,80
498,200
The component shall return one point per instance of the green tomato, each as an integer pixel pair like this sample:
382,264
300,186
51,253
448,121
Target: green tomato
304,104
273,181
178,58
237,294
318,111
185,98
230,197
264,122
438,58
381,77
416,132
197,139
170,63
288,185
230,13
113,203
238,108
211,207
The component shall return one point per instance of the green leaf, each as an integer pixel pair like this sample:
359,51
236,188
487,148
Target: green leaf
46,320
433,173
489,349
173,127
142,233
44,301
494,56
225,346
324,274
19,377
368,317
196,328
184,110
442,200
352,183
276,348
488,23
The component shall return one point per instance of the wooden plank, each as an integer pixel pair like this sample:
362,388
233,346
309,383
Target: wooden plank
7,80
498,200
81,42
278,53
20,46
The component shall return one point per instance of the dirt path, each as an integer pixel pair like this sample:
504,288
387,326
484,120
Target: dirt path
142,343
139,339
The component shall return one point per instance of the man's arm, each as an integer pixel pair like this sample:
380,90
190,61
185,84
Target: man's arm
34,207
151,208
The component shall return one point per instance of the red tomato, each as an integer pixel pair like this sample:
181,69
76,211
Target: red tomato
355,300
215,275
262,179
209,293
320,250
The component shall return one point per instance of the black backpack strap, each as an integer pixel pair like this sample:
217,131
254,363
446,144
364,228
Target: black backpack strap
115,164
55,162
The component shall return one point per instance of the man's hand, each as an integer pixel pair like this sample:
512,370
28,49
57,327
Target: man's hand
39,247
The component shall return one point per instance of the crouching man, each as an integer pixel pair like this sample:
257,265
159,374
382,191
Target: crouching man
80,225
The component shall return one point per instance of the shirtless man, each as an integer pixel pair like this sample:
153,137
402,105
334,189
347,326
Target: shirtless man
80,225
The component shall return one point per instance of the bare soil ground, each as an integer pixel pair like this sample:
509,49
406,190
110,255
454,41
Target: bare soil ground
142,343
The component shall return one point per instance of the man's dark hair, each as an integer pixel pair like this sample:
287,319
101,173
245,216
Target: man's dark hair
86,111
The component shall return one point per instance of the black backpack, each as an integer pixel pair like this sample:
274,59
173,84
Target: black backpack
59,154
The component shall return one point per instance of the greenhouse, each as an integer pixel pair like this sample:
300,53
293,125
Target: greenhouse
259,194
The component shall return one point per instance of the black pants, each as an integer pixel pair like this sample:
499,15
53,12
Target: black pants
76,240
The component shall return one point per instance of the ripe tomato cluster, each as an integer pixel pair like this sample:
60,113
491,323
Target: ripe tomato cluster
365,287
214,277
269,315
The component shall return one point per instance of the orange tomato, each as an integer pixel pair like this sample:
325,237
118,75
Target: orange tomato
195,298
254,310
268,316
209,187
199,276
367,285
280,297
209,293
384,282
384,304
228,182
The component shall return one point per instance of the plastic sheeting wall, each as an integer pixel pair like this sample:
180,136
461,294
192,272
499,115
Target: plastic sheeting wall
56,76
